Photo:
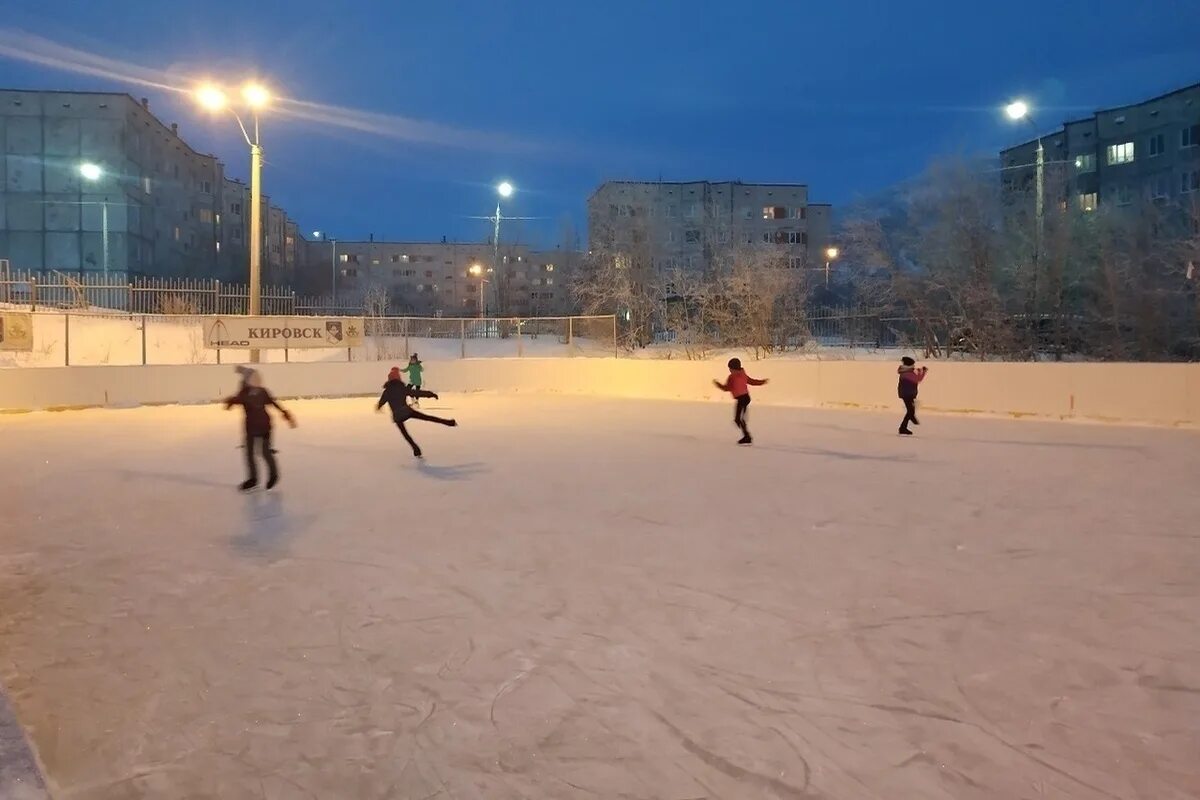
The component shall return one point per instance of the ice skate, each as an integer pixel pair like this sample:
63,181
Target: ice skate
247,485
745,440
271,481
904,432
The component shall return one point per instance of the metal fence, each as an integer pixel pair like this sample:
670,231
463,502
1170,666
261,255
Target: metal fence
115,291
80,338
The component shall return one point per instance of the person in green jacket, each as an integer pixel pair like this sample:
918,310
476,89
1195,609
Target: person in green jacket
414,369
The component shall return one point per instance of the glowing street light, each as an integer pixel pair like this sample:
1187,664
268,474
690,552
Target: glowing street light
256,97
830,254
477,271
505,189
1017,109
93,172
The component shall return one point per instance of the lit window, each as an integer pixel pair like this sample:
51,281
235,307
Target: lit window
1156,145
395,259
549,281
218,219
1190,136
1189,182
774,212
146,185
375,261
1120,153
1087,201
1085,162
344,258
205,215
177,233
549,268
218,247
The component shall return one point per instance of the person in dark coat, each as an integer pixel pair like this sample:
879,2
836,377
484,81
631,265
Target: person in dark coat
738,384
910,378
254,399
395,395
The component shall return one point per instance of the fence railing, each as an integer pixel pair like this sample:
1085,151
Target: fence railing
115,291
79,338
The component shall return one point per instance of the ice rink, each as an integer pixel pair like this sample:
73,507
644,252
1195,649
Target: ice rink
587,598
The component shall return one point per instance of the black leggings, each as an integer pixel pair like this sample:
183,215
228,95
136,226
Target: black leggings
740,409
413,414
910,412
263,444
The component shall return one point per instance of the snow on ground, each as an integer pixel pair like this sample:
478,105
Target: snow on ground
600,598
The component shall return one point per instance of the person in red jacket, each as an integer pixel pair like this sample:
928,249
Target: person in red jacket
910,378
254,399
738,384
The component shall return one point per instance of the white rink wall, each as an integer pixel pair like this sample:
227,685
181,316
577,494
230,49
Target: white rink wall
1158,394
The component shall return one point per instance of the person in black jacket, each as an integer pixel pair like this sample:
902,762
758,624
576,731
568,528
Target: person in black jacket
254,399
907,388
395,394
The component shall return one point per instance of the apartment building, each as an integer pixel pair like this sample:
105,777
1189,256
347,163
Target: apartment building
1148,151
437,279
697,225
164,208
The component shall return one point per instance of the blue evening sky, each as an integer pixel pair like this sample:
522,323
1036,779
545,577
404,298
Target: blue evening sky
848,97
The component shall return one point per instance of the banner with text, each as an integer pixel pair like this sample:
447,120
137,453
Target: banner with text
16,331
276,333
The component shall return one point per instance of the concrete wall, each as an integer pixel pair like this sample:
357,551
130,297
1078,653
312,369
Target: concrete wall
1160,394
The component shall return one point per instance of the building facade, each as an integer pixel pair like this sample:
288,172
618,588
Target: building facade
164,209
696,225
437,279
1116,157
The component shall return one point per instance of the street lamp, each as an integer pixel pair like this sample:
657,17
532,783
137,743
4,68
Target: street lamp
1016,111
255,97
830,254
93,173
477,271
332,263
505,191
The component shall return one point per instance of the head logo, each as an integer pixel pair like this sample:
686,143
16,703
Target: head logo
333,330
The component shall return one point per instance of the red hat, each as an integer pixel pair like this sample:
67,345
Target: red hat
394,374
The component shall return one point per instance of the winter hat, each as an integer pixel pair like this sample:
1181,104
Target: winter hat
394,374
735,363
907,361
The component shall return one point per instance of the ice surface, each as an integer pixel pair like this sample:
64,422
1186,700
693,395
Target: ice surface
599,598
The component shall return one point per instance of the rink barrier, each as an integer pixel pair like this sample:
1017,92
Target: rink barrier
1156,394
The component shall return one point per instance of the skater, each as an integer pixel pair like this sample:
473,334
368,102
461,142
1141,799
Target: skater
254,399
738,384
910,377
414,369
395,392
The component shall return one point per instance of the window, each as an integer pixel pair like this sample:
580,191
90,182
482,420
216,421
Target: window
537,281
205,215
723,237
1190,136
218,247
395,259
206,187
1087,201
747,238
774,212
796,262
1156,145
218,219
235,208
692,211
1160,186
800,213
549,281
428,273
350,273
671,211
1189,181
1085,162
410,273
375,261
549,268
177,233
671,236
766,237
344,258
427,258
749,212
1123,195
797,237
146,185
1120,153
691,236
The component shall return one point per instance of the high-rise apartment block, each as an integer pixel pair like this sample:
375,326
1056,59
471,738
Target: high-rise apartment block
1116,157
694,225
80,168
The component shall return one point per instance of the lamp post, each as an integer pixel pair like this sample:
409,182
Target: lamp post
256,97
332,263
477,271
93,173
831,253
1019,110
504,190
